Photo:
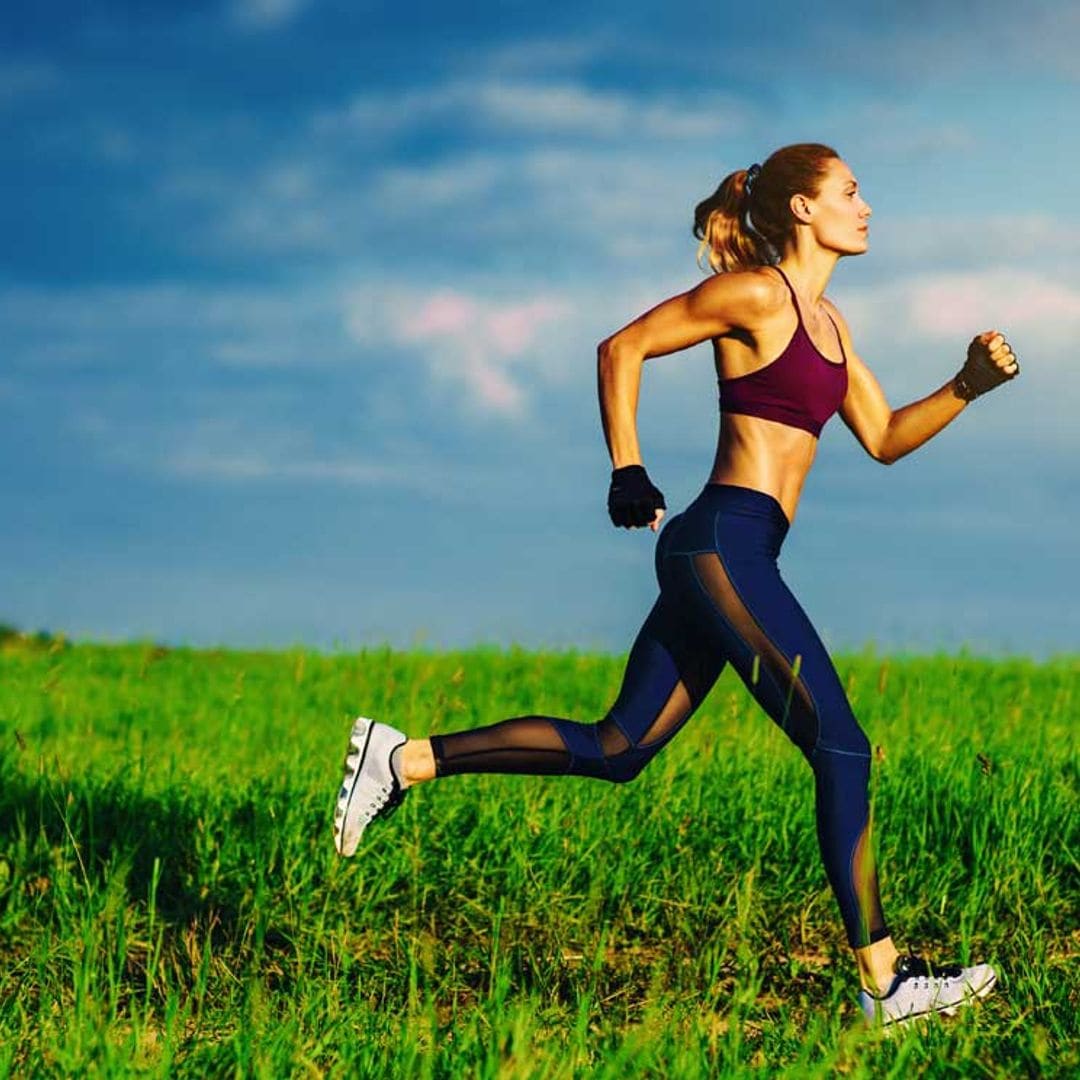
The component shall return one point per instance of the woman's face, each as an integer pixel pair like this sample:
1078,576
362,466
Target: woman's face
839,215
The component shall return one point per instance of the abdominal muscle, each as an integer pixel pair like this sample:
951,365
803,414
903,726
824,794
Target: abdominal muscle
765,455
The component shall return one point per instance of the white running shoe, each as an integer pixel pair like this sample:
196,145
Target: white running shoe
919,989
372,786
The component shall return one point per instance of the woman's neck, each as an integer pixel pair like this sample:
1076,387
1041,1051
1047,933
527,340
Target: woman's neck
809,271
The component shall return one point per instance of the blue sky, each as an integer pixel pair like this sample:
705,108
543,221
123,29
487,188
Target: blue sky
299,303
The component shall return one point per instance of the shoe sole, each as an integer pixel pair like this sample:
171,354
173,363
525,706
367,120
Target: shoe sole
359,739
949,1010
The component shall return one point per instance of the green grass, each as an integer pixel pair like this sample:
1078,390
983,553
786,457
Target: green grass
170,902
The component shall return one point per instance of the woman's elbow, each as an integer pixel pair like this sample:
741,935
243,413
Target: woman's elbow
881,453
877,441
872,442
613,348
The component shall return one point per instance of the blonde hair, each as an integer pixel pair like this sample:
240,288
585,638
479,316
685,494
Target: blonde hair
740,230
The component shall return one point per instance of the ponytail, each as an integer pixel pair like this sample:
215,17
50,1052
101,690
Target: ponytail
742,225
719,223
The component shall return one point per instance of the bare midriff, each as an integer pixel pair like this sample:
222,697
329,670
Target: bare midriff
765,455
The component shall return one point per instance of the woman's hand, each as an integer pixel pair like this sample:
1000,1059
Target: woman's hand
990,362
633,500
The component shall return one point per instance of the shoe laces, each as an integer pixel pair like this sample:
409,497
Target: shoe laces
375,801
382,800
923,974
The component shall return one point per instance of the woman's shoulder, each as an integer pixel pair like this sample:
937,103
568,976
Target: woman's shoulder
749,296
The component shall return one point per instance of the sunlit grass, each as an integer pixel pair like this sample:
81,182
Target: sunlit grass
170,902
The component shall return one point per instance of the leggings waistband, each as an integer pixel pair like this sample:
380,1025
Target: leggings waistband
729,518
744,500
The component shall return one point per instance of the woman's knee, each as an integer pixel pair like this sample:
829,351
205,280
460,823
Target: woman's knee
844,737
623,759
603,751
627,766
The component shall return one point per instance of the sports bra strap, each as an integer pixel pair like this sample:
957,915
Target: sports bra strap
791,289
843,351
798,315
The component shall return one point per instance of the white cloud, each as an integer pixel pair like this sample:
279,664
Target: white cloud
413,188
223,447
266,14
42,323
585,201
914,333
597,212
593,170
238,463
912,139
931,41
462,338
948,306
281,208
547,55
1001,238
538,108
263,226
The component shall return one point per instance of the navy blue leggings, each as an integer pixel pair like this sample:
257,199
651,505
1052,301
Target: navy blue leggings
721,600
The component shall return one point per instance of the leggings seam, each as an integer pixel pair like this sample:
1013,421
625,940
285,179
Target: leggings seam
846,753
594,732
603,758
622,731
675,525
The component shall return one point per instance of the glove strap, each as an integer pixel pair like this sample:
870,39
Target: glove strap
962,388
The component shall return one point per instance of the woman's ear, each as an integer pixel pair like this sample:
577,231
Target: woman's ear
801,208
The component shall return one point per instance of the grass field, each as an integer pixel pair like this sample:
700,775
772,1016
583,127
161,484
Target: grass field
171,904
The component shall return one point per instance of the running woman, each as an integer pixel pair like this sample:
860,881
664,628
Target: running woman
772,235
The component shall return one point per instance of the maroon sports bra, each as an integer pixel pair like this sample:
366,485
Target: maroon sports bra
800,388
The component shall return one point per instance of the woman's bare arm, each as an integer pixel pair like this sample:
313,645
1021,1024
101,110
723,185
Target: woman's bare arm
887,434
716,306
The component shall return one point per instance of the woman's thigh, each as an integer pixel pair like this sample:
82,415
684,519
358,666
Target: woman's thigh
737,602
669,672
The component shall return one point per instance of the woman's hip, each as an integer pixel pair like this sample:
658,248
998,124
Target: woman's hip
736,522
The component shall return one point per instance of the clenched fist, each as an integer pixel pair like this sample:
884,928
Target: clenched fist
633,500
990,362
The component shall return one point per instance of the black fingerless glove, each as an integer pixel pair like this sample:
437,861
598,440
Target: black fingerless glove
980,374
632,498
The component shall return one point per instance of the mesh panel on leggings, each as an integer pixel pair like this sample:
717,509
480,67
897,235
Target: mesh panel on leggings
523,744
612,740
532,744
865,880
675,710
800,719
666,679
